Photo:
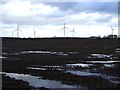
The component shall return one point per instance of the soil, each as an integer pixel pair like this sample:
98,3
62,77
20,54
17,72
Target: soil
18,63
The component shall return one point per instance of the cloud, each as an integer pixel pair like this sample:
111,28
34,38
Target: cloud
76,7
103,18
52,15
24,12
25,8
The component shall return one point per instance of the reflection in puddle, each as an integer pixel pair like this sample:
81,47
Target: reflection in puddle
45,52
109,65
36,68
85,73
2,57
42,52
52,66
38,81
73,52
49,52
11,53
118,50
79,65
43,68
103,61
99,56
112,79
82,73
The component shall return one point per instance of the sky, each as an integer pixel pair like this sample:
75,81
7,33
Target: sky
46,18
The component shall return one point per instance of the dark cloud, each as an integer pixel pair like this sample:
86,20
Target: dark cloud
64,13
104,19
63,5
31,20
76,7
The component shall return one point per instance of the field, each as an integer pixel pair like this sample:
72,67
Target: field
60,63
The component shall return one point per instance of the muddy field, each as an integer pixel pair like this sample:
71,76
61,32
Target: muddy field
60,63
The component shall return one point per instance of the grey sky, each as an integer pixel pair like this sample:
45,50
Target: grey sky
102,7
51,16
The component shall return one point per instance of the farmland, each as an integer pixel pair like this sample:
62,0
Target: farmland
58,63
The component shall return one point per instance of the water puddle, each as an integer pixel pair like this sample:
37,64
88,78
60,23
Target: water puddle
86,73
52,66
112,79
42,52
118,49
1,57
43,68
36,68
73,52
109,65
45,52
38,81
79,65
105,62
49,52
82,73
99,56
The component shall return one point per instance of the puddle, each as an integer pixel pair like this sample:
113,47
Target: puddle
118,49
85,73
42,52
5,53
99,56
52,66
82,73
73,52
1,57
45,52
112,79
43,68
38,81
14,54
110,62
62,54
49,52
79,64
36,68
38,52
109,65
